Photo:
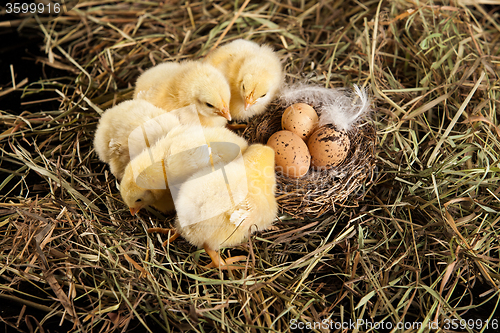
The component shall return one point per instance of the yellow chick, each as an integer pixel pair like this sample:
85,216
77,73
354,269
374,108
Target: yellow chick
121,129
173,85
148,188
191,148
254,74
150,177
217,209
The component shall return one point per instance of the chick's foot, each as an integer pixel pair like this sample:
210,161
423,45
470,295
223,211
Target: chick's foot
165,231
217,261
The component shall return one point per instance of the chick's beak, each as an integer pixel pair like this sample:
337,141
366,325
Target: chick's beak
224,112
249,101
134,210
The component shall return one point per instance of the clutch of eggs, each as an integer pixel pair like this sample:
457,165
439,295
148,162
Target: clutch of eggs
301,144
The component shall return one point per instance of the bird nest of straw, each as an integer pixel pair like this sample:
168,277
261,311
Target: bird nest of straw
318,192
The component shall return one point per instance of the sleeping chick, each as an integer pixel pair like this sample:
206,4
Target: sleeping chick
254,74
149,178
121,132
217,209
154,190
172,85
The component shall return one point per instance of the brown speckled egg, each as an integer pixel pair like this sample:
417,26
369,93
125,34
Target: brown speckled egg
328,147
301,119
291,154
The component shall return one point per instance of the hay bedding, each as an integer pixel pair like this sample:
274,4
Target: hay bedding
422,245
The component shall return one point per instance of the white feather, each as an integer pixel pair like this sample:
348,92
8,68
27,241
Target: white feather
341,107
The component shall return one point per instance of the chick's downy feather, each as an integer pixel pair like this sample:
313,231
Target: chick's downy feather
173,85
120,132
216,210
149,177
254,74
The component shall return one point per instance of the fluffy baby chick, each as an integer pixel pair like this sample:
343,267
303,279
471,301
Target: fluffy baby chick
254,73
191,148
172,85
146,186
128,128
217,209
150,177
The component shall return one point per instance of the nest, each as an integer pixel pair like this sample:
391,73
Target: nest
318,191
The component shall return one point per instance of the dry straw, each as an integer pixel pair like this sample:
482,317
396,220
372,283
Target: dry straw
422,246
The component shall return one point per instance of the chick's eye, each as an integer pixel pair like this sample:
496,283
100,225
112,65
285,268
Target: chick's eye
209,105
263,96
138,200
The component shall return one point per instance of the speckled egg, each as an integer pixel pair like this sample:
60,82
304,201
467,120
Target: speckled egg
301,119
292,157
328,147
